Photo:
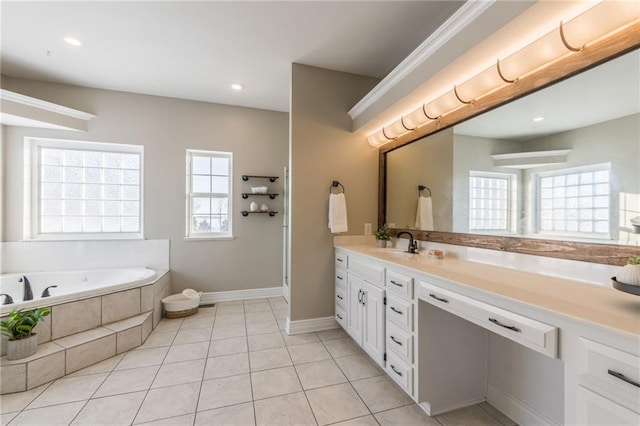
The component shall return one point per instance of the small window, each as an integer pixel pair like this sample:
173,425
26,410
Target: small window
575,201
491,202
209,194
83,190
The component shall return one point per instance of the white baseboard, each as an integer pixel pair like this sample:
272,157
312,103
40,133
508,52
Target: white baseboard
310,325
226,296
516,409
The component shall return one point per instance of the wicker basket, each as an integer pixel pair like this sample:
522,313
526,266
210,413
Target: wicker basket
180,314
180,305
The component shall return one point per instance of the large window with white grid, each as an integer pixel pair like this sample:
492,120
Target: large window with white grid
82,190
575,201
491,202
209,194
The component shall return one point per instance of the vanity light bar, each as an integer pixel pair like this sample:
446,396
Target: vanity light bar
594,24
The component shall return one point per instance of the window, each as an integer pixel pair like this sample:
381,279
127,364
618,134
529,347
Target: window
575,201
83,190
208,194
491,202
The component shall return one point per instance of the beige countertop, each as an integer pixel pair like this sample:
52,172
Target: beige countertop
600,305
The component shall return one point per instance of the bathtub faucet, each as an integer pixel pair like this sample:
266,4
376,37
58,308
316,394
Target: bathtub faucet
28,293
8,300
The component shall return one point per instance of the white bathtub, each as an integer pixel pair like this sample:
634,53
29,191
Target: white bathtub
72,285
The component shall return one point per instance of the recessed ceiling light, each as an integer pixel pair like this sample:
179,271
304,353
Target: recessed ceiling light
237,86
537,119
73,41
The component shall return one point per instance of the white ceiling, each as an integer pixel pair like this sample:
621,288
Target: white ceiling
195,50
604,93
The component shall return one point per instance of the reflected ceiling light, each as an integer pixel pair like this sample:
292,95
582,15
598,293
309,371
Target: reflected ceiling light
237,86
73,41
603,19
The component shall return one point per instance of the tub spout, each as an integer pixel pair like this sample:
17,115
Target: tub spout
8,300
28,293
46,293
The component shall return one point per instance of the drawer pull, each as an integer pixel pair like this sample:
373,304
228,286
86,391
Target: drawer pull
360,296
623,378
395,310
339,259
439,299
393,282
338,315
510,327
339,277
397,342
339,297
395,371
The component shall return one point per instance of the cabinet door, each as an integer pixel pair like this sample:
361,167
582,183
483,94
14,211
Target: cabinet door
354,307
373,327
594,410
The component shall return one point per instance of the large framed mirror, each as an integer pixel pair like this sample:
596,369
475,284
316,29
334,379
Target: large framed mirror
553,173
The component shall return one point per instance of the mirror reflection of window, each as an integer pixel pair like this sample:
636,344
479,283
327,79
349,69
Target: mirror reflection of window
492,198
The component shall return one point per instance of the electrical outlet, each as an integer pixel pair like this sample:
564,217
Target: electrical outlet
367,229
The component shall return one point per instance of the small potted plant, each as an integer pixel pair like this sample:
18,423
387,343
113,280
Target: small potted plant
18,327
630,273
383,235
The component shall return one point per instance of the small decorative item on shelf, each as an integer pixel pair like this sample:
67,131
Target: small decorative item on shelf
253,206
383,235
628,278
264,207
435,254
18,327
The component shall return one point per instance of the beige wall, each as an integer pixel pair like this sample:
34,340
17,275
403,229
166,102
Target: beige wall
167,127
323,149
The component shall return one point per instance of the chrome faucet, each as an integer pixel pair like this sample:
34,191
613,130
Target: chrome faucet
28,293
413,244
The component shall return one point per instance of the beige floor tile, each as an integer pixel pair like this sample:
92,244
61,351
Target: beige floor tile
142,358
269,358
300,339
286,410
168,325
49,416
362,421
265,341
169,402
281,313
262,327
105,366
228,346
7,417
179,373
158,339
109,411
275,382
226,365
357,367
309,352
255,301
225,391
410,415
193,335
137,379
208,311
188,352
251,317
334,333
18,401
69,390
227,332
318,374
336,403
282,325
257,307
231,303
192,323
235,415
187,419
469,416
381,393
342,347
228,320
493,411
230,309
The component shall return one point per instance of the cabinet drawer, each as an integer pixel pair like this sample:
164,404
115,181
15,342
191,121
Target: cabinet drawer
372,272
400,372
399,284
400,342
341,317
341,260
341,297
526,331
400,312
612,373
341,278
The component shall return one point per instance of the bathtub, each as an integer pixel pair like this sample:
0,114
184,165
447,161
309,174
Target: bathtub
72,285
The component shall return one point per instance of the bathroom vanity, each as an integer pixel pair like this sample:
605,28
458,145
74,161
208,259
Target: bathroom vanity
454,332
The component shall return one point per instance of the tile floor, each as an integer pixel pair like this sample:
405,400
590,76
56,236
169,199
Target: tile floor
232,365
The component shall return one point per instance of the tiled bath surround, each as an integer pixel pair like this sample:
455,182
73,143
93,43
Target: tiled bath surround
81,333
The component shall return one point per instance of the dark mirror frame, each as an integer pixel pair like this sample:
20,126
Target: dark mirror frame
597,53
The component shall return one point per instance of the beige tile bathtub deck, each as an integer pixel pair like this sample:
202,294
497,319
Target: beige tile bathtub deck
222,367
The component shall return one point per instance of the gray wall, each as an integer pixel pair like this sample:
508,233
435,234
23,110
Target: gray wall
323,149
167,127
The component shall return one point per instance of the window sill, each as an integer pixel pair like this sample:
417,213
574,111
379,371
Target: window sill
76,237
209,238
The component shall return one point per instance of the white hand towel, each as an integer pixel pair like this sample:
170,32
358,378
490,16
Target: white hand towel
424,214
337,213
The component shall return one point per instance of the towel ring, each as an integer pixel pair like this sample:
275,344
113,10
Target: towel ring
336,184
422,188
